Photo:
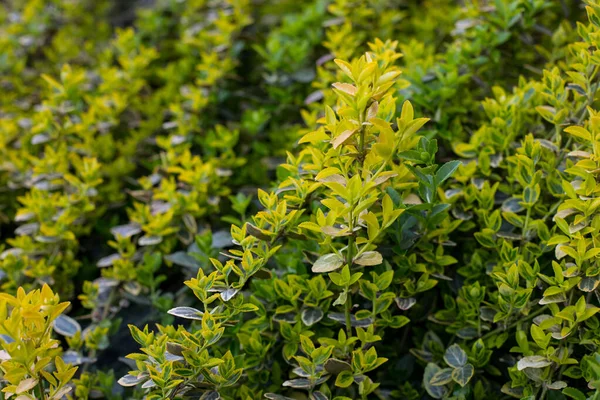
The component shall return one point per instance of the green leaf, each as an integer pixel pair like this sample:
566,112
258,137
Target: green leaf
66,326
540,338
557,385
533,362
546,112
186,312
247,307
455,356
580,132
486,238
257,232
335,366
131,380
446,171
574,393
407,113
275,396
442,377
344,379
369,258
327,263
311,316
437,392
298,383
463,374
344,66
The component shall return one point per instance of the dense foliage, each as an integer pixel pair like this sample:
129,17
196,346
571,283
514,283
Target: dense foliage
327,199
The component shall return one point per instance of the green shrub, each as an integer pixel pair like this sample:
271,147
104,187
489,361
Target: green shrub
364,200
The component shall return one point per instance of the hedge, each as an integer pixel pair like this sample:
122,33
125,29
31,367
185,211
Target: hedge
320,199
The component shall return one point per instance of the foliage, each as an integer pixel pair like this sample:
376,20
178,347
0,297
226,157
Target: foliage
26,322
383,199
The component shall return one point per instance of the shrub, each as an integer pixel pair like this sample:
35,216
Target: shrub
363,200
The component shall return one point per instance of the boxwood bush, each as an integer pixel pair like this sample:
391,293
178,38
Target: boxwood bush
311,200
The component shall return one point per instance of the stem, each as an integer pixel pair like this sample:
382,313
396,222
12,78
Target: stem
174,392
109,301
41,388
570,346
479,322
544,390
362,145
526,223
514,324
105,311
350,249
349,257
348,307
373,311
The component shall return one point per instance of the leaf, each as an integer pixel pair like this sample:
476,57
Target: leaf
342,137
442,377
557,385
275,396
344,66
52,82
186,312
26,385
132,380
533,362
407,113
210,395
462,375
127,230
574,393
369,258
257,232
66,326
455,356
327,263
579,132
313,137
540,338
147,240
228,294
446,171
367,71
344,379
341,318
346,88
588,284
311,316
183,259
335,366
318,396
546,112
298,383
405,304
107,261
437,392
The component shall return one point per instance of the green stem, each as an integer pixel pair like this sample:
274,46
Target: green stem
41,388
514,324
347,308
109,301
570,346
350,249
349,258
361,141
526,223
544,390
105,311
